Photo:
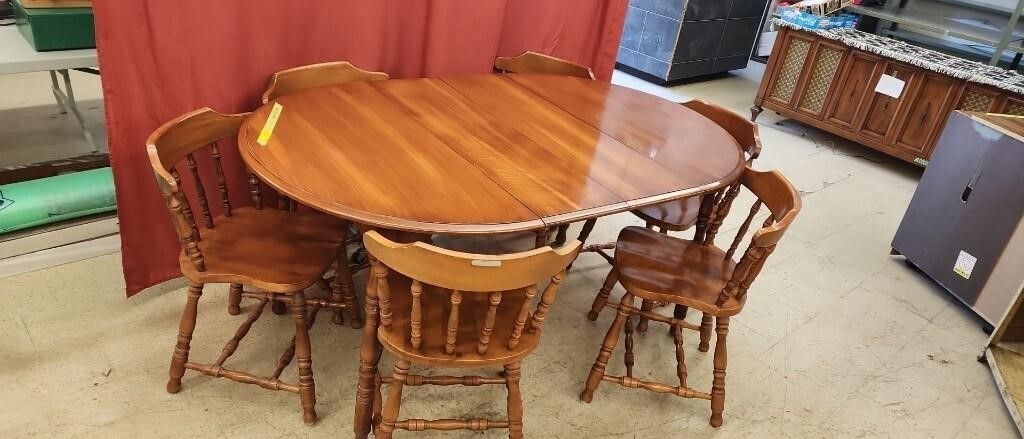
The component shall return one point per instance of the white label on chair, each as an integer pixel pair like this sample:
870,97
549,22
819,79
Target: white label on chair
483,263
890,85
964,264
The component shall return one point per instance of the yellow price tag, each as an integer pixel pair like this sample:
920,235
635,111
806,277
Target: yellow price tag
268,128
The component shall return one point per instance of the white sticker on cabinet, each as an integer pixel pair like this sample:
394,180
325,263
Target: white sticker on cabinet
964,264
890,86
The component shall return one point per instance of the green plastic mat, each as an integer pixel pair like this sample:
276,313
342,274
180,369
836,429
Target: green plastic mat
52,199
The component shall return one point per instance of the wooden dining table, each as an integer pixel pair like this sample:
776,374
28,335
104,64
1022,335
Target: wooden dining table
481,154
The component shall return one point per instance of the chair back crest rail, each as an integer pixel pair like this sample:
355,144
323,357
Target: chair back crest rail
744,131
301,78
462,274
172,148
533,62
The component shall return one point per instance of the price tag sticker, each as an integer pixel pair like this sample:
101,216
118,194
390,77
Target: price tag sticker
964,265
485,263
268,127
890,86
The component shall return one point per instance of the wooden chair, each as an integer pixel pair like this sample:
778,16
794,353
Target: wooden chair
281,253
533,62
459,310
691,274
680,215
302,78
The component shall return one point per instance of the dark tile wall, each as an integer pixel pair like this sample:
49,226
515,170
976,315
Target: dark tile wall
650,34
675,39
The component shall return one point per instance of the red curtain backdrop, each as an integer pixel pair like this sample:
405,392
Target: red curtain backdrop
162,58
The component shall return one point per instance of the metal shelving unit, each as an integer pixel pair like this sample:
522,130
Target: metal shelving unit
954,26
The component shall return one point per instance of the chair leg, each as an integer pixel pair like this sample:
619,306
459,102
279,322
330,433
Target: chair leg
645,305
542,237
718,383
515,400
602,296
235,299
705,332
677,337
307,388
185,328
342,291
277,306
627,356
679,312
389,414
561,235
610,340
588,226
378,403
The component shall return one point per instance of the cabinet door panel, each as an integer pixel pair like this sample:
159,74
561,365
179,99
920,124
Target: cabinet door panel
1013,106
883,108
824,69
975,98
852,88
793,60
925,115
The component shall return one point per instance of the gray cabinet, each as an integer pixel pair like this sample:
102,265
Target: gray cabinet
963,227
668,40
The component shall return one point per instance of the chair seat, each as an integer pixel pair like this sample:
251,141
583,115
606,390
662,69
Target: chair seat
436,305
675,215
663,268
270,249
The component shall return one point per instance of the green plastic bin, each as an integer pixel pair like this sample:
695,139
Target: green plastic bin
55,28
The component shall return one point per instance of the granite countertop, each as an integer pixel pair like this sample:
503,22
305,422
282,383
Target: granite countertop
925,58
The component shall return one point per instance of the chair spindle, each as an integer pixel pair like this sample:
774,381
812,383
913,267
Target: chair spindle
707,206
524,314
383,295
743,229
485,332
222,186
193,167
255,192
721,211
186,208
546,299
416,315
453,323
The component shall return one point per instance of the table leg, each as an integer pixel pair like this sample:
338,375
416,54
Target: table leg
66,102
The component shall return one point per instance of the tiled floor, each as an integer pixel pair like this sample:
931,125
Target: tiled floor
839,339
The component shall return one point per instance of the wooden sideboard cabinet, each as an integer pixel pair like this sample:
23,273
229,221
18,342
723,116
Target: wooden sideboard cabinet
831,86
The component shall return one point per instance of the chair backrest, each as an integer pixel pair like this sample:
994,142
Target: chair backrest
741,129
533,62
466,273
177,141
773,191
317,75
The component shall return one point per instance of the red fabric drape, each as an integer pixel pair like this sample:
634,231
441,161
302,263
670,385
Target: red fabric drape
161,58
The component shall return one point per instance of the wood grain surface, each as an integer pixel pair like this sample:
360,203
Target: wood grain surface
486,153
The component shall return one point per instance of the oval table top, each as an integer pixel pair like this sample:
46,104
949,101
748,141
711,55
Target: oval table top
486,153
